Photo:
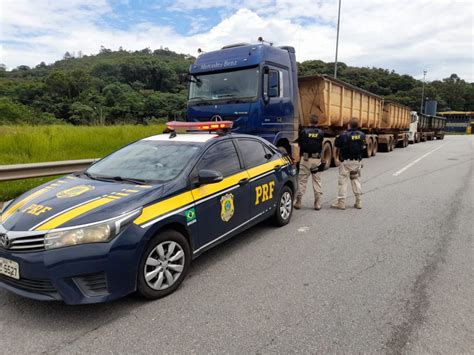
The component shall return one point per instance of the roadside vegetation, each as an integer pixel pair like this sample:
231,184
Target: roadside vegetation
31,144
148,85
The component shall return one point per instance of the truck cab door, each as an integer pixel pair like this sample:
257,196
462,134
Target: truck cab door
278,107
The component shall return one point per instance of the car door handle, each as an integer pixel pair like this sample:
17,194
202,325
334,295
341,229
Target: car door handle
243,181
277,167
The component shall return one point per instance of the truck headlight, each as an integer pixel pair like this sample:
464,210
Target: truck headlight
99,232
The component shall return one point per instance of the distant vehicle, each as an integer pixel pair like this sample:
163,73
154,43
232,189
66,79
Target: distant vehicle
134,220
426,127
257,87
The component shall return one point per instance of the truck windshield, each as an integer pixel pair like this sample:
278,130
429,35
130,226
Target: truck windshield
218,86
145,160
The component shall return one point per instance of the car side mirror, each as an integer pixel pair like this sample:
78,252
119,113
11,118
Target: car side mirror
209,177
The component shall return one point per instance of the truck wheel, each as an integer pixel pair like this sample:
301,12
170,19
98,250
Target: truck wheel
368,149
327,155
375,147
164,265
284,207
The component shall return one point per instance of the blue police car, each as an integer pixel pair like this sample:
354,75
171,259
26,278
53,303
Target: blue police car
135,219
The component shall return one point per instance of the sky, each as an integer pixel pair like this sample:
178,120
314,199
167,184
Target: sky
407,36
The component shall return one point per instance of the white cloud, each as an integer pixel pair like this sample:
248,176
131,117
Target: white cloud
405,35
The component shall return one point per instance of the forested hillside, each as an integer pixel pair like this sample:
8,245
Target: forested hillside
147,86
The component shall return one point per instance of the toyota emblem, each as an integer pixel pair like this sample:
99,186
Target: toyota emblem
4,241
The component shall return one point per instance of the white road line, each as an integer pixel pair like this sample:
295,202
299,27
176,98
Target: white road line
416,161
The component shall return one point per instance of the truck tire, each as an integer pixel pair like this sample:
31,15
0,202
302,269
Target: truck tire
368,150
164,265
327,155
375,147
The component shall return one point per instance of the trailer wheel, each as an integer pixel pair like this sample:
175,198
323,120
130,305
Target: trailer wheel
327,155
375,147
282,149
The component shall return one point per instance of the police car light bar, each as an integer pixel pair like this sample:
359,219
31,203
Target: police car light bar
199,126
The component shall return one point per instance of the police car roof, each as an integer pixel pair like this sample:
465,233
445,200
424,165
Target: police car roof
183,137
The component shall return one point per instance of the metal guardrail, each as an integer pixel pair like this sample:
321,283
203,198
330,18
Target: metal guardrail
26,171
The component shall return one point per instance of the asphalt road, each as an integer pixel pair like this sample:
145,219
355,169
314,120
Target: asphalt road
396,276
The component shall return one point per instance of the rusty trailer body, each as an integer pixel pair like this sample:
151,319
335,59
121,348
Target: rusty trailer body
335,102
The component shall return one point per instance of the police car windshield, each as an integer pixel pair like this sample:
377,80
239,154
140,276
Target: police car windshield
224,85
151,161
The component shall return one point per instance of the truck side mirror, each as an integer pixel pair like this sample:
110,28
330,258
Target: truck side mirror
274,83
266,97
271,84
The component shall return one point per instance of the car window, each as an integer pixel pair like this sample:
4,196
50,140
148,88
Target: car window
221,157
254,153
147,160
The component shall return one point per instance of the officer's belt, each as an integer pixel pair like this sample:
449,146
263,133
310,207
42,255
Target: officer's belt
311,155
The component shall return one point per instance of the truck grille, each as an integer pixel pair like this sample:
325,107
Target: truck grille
41,286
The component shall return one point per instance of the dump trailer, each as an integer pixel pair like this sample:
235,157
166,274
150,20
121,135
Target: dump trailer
336,102
257,87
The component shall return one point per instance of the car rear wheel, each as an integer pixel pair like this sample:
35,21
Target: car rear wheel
164,265
284,207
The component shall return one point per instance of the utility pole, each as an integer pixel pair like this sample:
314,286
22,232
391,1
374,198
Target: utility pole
423,91
337,38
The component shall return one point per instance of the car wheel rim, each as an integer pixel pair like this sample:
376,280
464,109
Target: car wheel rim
285,205
164,265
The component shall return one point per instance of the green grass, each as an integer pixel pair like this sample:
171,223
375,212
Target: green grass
27,144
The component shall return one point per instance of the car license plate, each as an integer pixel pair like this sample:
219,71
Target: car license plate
9,268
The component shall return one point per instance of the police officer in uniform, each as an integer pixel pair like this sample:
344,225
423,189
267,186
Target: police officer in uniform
351,145
310,140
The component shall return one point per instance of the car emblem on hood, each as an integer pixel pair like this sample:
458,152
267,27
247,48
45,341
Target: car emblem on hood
74,191
4,241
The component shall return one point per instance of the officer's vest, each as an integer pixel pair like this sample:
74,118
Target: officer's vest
355,144
311,140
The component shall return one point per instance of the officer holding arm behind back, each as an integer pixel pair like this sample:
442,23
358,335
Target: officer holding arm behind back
310,140
351,145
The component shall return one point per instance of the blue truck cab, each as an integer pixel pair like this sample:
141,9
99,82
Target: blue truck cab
253,85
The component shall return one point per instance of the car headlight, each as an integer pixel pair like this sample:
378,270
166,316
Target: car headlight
99,232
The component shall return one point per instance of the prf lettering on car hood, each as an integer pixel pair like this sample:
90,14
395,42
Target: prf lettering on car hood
36,210
264,192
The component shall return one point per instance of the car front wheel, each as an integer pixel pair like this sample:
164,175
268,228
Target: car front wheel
164,265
